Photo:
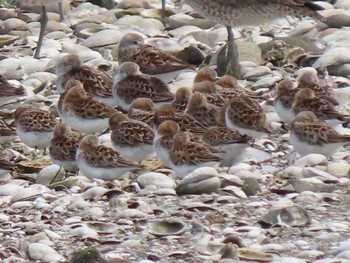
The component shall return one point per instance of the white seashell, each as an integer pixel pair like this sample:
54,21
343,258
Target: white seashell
240,167
83,232
235,191
183,31
52,235
29,193
103,38
148,26
50,174
339,169
83,52
11,68
93,213
323,176
312,160
38,237
157,179
257,155
131,213
10,189
32,65
257,73
4,218
292,172
101,227
167,227
38,251
94,193
332,57
22,205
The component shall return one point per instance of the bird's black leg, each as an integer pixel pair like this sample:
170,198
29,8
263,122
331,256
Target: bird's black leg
43,24
60,7
163,9
228,60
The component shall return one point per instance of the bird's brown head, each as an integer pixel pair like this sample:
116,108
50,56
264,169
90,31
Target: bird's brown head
144,104
305,116
303,94
116,119
183,93
168,128
61,130
307,78
72,83
196,100
68,63
206,73
284,87
227,82
131,40
88,143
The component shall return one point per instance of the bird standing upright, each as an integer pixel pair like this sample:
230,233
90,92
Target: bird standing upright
233,13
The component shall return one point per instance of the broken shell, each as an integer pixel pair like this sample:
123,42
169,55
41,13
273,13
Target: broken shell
167,227
253,255
50,174
102,228
44,253
291,216
202,180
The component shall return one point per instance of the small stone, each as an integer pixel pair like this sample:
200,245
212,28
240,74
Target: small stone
291,216
158,180
50,174
312,160
88,255
340,169
208,185
308,172
239,167
251,186
313,185
94,193
292,172
38,251
131,213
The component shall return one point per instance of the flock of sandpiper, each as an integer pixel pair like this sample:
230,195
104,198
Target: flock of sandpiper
211,122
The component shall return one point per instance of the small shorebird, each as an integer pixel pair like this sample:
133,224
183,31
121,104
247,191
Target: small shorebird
34,126
229,141
151,60
311,135
186,156
63,147
82,112
247,116
307,100
233,13
96,82
97,161
130,84
204,112
131,138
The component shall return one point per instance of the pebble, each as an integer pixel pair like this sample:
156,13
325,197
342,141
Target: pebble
156,179
50,174
323,176
339,169
312,160
38,251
